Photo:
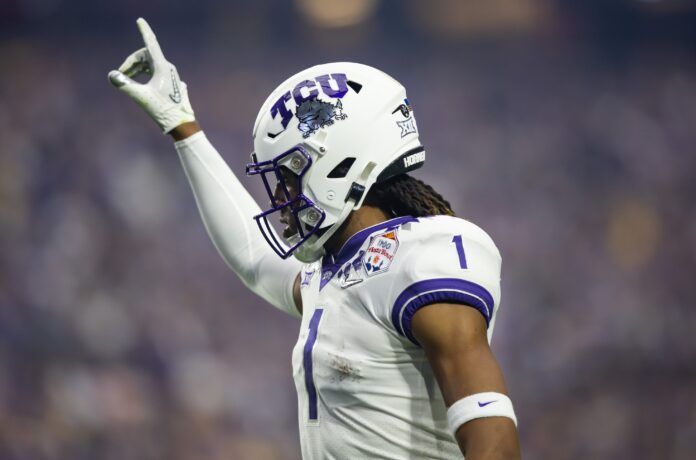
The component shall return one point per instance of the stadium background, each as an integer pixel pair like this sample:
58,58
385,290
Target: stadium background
566,129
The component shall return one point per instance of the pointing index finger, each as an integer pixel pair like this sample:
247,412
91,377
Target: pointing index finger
150,41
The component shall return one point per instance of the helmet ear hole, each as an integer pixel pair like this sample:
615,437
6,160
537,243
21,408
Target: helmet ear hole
341,170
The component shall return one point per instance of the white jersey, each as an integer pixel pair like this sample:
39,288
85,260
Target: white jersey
365,388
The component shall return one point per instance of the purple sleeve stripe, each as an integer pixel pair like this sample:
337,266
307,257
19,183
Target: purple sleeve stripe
427,292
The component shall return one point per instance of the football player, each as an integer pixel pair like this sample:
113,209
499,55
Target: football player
397,297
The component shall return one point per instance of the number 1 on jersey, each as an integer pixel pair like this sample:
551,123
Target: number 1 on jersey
307,362
457,240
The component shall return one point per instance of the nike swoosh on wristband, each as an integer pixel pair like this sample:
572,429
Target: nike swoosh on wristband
175,96
486,403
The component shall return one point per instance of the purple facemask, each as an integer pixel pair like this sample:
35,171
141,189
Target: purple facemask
307,216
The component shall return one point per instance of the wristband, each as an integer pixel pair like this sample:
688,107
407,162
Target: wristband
480,405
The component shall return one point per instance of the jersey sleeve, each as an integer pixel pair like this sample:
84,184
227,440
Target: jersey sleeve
459,265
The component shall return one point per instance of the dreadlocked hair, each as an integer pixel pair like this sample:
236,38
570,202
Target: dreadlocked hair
404,195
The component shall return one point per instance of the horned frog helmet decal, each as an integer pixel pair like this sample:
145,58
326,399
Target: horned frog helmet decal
313,114
340,127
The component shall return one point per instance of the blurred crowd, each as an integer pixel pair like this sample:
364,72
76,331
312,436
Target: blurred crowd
124,336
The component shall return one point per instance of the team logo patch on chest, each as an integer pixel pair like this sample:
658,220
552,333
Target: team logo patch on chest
380,253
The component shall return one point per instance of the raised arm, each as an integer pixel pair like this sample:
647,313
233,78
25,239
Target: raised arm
226,207
454,339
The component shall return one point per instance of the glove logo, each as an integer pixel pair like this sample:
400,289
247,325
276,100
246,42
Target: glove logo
175,95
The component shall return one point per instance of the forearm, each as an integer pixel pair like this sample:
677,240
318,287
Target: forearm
227,211
485,438
480,414
492,438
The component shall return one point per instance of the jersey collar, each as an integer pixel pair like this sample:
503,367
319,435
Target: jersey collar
351,246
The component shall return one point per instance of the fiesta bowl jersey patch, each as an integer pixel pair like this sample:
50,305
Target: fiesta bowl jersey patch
380,253
365,388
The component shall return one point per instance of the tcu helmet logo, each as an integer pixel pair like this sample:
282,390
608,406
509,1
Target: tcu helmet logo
312,113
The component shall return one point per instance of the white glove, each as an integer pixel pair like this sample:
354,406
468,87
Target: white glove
164,96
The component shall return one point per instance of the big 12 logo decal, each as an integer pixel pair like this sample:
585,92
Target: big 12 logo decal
311,112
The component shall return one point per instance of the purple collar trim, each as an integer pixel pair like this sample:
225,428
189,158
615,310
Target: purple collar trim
332,264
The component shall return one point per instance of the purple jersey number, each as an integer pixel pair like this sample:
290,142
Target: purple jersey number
457,240
307,362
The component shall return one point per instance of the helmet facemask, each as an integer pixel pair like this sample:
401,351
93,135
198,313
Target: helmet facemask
293,207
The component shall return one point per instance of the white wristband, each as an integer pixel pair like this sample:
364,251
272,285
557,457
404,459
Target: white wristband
479,405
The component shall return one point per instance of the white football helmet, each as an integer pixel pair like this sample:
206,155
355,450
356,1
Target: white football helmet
340,127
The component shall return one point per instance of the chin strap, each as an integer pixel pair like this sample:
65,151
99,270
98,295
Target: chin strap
313,249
